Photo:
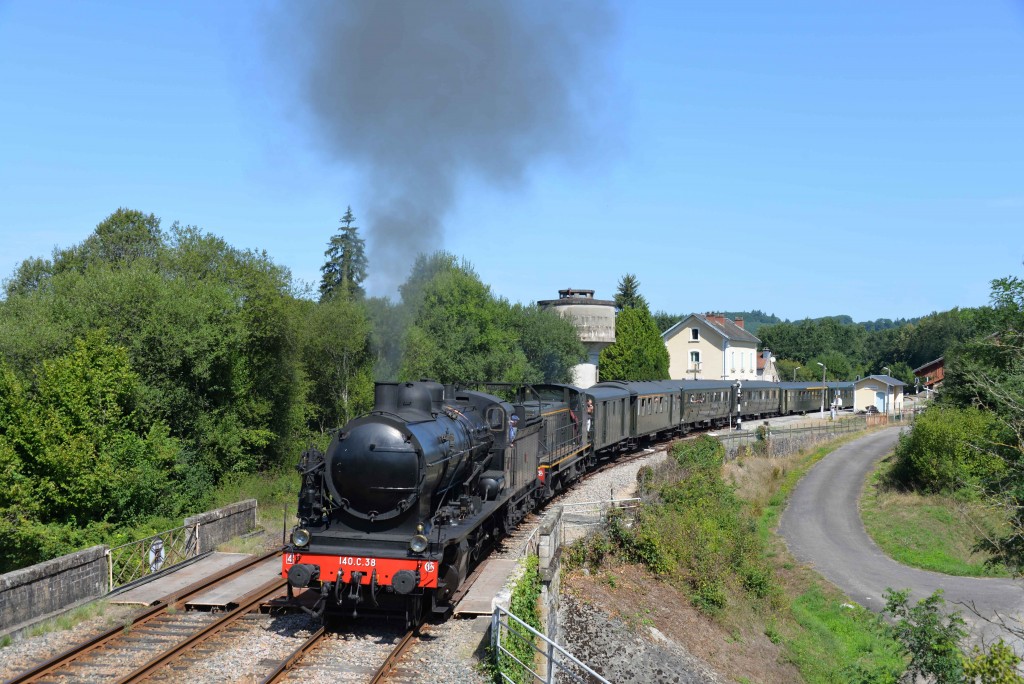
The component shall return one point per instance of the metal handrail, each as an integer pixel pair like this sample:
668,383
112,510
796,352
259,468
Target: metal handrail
134,560
551,652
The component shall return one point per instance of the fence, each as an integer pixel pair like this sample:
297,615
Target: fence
556,664
770,441
134,560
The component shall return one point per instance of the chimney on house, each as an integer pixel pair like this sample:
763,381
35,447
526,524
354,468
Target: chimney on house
739,321
715,318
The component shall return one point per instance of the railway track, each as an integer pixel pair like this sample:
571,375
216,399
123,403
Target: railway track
120,653
342,658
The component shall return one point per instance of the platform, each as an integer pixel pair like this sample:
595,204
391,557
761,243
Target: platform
172,583
228,593
479,600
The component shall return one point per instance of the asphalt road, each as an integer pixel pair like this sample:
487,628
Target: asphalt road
822,527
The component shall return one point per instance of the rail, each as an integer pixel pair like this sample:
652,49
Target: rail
298,654
106,638
554,660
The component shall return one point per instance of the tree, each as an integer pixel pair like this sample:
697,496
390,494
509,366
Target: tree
461,334
628,295
345,268
337,360
639,353
211,331
550,343
929,637
665,320
76,453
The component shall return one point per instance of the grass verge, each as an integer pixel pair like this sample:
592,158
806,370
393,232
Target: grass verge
828,638
929,531
69,619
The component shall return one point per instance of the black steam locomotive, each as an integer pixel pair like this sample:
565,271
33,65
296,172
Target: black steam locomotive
395,514
400,507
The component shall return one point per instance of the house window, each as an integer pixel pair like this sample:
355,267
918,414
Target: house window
694,334
734,360
695,358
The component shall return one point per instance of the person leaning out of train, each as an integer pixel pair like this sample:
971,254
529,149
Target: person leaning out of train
513,428
590,413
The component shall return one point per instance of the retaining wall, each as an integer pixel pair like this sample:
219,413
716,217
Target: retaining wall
52,586
221,525
549,554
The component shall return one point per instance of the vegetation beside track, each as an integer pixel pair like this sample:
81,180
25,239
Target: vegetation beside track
694,531
524,604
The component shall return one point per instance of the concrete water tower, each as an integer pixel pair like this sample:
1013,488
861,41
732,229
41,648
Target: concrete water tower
595,321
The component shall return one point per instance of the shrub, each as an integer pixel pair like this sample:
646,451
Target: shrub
949,449
696,530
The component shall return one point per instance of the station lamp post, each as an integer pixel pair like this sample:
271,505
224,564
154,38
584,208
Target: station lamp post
887,374
822,389
794,372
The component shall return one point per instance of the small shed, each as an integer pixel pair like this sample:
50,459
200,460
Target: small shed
883,392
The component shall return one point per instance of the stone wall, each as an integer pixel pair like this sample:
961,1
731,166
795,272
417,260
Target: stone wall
549,553
52,586
223,524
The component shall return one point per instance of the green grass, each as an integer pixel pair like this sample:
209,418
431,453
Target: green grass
840,642
69,619
933,532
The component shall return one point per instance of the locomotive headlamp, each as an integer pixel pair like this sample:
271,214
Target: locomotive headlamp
419,543
300,536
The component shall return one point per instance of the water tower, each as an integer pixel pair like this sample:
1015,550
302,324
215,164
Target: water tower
595,321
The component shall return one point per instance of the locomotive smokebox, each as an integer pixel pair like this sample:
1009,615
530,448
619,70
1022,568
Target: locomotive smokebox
375,469
409,448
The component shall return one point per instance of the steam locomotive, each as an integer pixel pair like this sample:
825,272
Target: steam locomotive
403,503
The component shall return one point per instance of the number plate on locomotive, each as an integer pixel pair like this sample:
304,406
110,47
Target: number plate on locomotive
357,562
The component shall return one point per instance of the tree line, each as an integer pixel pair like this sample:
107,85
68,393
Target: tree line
142,366
852,350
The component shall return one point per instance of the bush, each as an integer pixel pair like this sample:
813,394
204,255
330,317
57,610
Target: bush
949,450
696,530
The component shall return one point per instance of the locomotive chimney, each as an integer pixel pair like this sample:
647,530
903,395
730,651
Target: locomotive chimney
436,398
385,397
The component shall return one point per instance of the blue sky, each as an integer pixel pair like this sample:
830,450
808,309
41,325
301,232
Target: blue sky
802,158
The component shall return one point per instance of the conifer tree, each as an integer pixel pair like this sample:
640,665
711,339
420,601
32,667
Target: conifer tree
628,295
345,268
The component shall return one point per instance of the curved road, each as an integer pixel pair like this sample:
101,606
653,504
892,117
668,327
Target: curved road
822,527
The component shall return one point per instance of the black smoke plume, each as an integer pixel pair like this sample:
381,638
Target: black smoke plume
423,95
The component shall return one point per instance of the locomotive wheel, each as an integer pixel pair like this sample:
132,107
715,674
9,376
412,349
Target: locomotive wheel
414,613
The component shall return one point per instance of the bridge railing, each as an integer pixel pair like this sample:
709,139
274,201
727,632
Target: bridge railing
134,560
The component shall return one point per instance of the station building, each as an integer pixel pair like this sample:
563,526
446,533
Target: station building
883,392
711,347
